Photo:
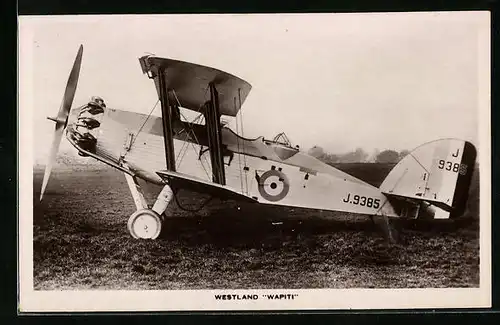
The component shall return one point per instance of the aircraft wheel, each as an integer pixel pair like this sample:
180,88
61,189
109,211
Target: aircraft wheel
144,224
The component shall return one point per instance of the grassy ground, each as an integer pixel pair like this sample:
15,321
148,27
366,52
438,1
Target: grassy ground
81,242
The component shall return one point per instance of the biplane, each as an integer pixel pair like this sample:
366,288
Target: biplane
205,155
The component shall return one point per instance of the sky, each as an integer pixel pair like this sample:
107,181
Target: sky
339,81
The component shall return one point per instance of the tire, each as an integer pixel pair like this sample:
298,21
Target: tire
144,224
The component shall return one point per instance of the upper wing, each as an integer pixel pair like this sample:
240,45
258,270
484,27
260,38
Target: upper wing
190,82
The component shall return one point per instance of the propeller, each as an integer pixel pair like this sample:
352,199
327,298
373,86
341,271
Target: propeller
62,117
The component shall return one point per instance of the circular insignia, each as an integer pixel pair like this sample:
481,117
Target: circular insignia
273,185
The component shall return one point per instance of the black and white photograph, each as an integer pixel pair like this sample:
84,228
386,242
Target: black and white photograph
254,162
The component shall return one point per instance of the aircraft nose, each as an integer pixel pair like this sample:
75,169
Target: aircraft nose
88,121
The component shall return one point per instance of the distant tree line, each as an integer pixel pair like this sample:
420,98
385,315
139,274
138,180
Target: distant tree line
358,155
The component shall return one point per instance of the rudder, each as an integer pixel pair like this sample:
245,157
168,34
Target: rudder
464,181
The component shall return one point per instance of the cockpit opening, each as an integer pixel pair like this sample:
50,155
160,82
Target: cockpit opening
282,139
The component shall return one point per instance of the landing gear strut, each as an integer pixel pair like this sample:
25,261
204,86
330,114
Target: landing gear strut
146,223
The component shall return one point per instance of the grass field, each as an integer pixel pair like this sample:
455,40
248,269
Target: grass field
81,242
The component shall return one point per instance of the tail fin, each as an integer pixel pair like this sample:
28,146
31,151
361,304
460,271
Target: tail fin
438,172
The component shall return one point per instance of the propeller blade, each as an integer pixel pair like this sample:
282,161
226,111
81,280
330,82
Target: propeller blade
69,92
62,116
56,141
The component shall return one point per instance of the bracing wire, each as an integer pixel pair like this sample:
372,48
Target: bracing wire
191,130
182,152
196,139
145,121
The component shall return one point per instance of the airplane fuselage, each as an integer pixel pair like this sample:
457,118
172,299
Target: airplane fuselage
263,170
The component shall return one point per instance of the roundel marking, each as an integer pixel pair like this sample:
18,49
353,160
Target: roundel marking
273,185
